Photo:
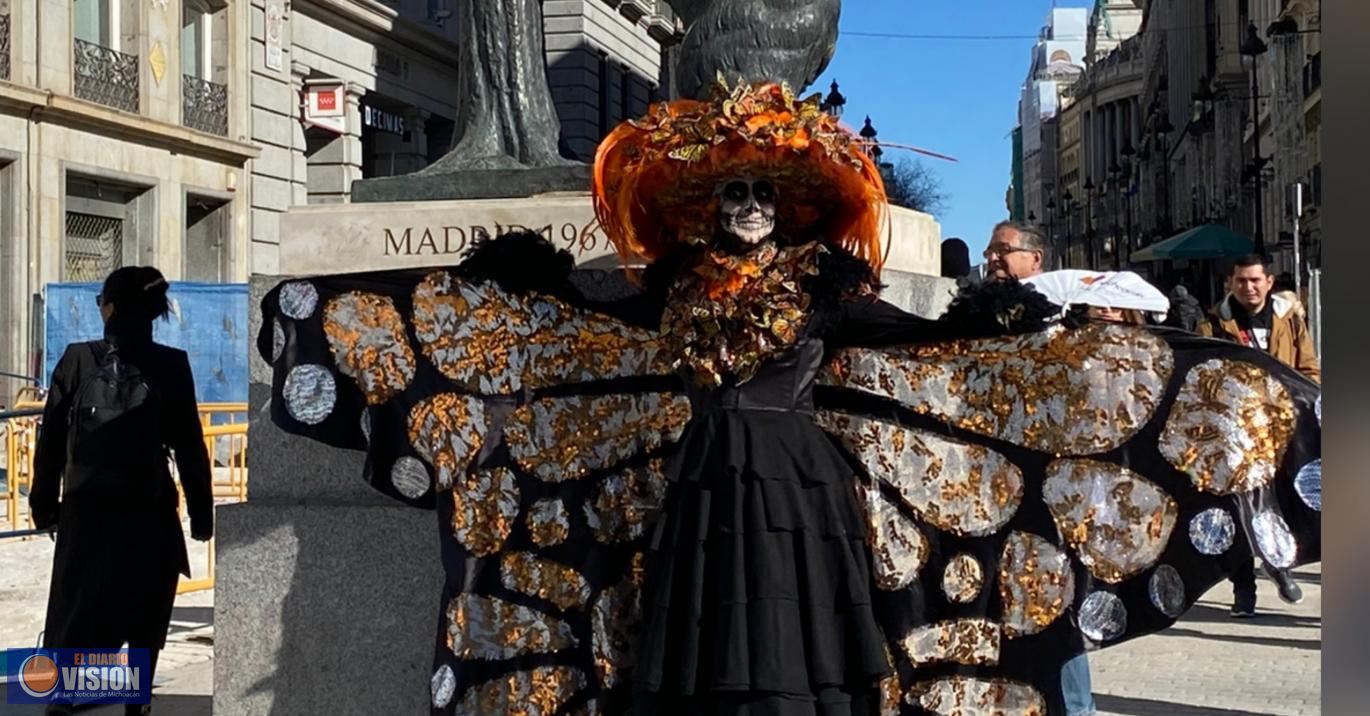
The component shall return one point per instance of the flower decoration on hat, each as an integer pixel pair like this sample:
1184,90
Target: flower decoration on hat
656,178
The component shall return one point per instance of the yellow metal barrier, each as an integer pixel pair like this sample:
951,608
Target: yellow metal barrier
225,442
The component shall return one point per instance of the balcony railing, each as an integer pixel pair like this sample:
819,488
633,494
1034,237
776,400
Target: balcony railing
106,76
4,47
204,105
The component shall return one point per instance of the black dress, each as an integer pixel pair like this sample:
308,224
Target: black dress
881,518
118,554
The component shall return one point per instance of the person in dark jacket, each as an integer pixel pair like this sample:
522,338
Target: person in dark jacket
1188,314
120,548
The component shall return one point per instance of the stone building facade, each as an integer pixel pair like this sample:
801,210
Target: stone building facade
124,139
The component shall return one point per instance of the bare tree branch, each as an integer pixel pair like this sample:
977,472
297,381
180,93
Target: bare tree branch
912,185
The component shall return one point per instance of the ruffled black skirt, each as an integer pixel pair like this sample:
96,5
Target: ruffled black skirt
757,599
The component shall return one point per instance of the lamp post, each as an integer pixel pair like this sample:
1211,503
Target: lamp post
1163,131
834,102
1091,209
1128,184
869,134
1114,174
1254,47
1051,225
1066,199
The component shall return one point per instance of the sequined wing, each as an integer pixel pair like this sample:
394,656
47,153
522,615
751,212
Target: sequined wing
537,430
1032,496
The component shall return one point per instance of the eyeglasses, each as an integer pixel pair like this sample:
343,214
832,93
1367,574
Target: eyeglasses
1003,251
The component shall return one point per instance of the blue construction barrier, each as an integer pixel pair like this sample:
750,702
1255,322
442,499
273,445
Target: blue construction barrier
208,321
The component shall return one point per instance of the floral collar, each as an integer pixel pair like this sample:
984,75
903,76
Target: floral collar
727,313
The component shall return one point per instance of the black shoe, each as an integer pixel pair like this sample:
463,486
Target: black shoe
1290,592
1244,607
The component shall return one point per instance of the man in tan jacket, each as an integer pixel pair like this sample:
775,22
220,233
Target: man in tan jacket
1250,315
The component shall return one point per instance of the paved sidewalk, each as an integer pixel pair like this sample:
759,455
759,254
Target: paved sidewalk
1210,664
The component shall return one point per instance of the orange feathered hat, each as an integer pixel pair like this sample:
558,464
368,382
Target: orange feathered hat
655,178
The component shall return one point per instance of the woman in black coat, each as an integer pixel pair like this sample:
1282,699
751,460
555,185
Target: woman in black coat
118,408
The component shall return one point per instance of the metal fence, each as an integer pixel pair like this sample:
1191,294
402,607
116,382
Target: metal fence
94,247
106,76
204,105
225,430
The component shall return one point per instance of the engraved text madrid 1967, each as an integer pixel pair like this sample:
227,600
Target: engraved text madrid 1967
440,240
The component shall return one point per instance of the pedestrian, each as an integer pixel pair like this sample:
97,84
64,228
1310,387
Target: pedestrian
1017,251
1186,309
116,407
1252,316
955,259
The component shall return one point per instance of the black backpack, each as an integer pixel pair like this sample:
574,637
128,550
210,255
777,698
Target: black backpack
114,438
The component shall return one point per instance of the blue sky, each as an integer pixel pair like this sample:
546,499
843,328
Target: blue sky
956,97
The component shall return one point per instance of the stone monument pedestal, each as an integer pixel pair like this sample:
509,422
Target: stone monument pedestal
327,592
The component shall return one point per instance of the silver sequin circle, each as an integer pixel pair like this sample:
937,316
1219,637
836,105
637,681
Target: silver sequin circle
1211,531
1103,617
1166,589
444,684
298,299
410,477
1308,483
277,340
309,393
1317,409
1274,539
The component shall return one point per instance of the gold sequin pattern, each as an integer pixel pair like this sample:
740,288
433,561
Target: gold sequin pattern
968,696
558,439
890,689
960,488
485,507
963,641
1229,427
1064,392
559,584
1117,521
490,628
625,501
1036,584
548,522
366,335
963,578
446,431
532,692
614,624
898,546
490,341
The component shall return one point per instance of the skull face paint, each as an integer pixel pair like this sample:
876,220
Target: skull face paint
747,208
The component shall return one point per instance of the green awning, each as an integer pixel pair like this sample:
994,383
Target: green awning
1209,241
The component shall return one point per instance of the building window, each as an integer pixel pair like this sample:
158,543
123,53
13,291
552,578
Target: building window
625,93
4,43
103,222
208,247
604,117
204,52
101,72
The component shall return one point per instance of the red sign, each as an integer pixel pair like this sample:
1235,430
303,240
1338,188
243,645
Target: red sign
326,101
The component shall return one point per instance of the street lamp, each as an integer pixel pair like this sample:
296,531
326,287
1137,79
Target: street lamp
869,134
1163,131
1051,224
834,102
1114,174
1090,213
1254,47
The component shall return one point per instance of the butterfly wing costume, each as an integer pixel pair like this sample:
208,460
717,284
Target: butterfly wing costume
755,488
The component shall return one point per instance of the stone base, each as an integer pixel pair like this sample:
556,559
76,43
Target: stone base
474,184
324,608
